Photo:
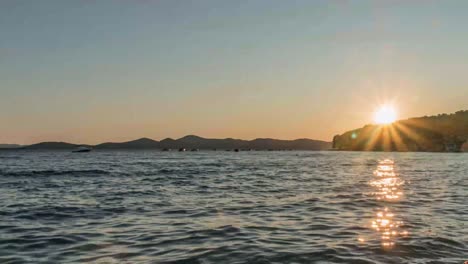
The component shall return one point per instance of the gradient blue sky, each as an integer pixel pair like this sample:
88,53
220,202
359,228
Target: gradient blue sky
93,71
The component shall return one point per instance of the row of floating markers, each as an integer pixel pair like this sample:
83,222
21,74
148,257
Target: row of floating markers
388,188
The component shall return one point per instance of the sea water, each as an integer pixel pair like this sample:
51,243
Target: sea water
229,207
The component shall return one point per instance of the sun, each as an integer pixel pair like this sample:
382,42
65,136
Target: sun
386,114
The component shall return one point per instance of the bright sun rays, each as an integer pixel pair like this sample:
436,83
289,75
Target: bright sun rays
389,134
386,114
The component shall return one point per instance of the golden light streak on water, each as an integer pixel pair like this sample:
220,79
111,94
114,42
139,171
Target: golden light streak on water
388,188
387,183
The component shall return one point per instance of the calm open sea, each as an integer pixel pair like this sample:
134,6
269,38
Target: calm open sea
227,207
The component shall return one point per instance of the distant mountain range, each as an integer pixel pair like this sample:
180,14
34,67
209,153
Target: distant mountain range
196,142
441,133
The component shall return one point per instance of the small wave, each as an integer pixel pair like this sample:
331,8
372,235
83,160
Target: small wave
45,173
10,157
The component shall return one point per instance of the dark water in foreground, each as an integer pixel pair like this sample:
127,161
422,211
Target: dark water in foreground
225,207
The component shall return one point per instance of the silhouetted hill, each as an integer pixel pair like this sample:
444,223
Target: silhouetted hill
196,142
52,145
9,146
167,143
142,143
430,133
191,138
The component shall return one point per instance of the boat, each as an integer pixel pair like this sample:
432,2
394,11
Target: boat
82,149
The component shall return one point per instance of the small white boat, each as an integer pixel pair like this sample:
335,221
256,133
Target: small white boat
82,149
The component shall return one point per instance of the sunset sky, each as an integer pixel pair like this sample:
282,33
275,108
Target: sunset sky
94,71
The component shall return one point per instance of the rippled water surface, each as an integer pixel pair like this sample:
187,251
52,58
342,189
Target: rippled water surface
226,207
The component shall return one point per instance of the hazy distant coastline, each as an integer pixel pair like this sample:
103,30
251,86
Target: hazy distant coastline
193,142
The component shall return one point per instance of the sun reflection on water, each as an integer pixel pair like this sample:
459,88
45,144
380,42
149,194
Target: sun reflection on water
388,188
387,183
